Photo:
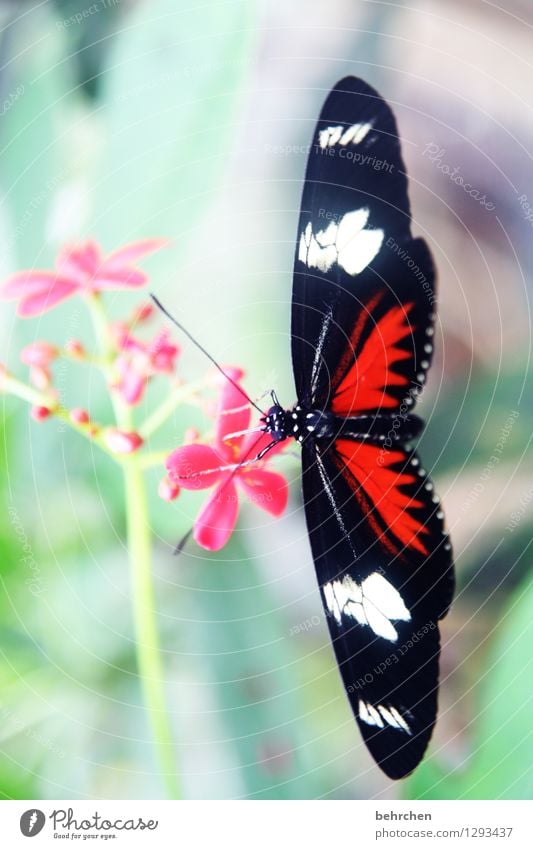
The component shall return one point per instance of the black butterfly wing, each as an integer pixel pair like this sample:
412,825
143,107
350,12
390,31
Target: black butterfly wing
362,340
354,220
380,610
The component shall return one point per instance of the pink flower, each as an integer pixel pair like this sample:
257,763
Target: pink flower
197,466
139,361
80,268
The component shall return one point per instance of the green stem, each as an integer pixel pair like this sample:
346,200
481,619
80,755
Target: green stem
149,665
150,668
102,330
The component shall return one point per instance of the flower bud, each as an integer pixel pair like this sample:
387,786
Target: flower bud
79,416
191,435
121,442
167,490
142,313
40,377
39,414
75,349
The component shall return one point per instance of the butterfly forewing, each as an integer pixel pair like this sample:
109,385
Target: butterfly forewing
362,341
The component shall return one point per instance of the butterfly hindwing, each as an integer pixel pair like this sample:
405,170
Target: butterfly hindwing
385,640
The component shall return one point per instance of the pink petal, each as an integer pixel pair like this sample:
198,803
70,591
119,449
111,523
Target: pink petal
132,381
233,415
217,518
185,464
24,283
234,372
134,251
45,299
118,278
267,490
162,352
79,260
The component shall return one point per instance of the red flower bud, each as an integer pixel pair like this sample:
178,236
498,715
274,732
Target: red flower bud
39,414
167,490
121,442
79,416
142,313
74,348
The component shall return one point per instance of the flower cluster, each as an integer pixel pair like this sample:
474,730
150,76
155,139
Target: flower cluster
226,464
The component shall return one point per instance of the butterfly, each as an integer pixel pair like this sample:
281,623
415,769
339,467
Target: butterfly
363,313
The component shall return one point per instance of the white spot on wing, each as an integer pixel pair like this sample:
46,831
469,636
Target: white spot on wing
338,135
330,136
347,243
375,716
373,602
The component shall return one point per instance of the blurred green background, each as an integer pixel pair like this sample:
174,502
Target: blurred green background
164,118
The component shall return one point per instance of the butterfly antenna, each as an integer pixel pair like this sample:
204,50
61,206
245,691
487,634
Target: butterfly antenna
234,383
178,548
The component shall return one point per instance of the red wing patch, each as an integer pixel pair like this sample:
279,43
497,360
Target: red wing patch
363,379
380,491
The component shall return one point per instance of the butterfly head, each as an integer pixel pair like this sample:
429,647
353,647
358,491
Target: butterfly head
276,423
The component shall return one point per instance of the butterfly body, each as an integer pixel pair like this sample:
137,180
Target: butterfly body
307,424
363,324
